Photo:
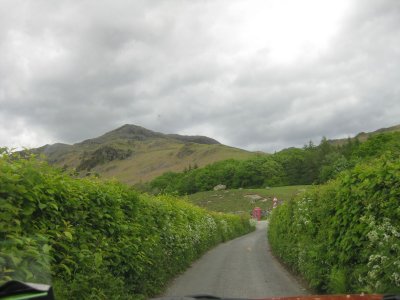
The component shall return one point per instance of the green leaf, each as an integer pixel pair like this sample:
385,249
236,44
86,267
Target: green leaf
46,248
53,205
68,235
98,259
16,260
68,270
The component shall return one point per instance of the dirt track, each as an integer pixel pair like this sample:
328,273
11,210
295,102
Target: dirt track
243,267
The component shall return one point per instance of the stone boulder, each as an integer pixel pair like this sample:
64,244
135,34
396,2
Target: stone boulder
219,187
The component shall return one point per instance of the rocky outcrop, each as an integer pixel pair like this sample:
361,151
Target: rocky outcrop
102,155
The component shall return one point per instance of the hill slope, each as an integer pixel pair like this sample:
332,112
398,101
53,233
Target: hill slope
363,136
292,166
132,154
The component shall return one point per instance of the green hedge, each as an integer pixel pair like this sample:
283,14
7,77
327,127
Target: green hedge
345,236
96,240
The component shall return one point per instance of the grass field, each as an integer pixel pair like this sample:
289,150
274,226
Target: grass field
244,200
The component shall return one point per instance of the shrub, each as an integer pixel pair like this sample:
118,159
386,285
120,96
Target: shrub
345,236
97,240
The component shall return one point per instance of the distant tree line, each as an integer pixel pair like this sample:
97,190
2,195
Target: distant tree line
308,165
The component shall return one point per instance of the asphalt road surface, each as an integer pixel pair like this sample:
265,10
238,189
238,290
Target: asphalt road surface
243,267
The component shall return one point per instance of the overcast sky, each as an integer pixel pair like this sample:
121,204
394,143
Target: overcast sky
259,75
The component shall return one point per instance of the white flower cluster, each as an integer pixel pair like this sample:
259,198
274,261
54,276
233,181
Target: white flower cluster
224,226
376,263
395,277
381,233
252,222
192,235
303,211
384,240
210,224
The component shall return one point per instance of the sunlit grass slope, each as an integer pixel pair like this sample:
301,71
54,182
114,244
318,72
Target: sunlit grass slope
149,162
245,200
152,158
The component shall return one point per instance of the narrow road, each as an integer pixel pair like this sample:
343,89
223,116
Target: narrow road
243,267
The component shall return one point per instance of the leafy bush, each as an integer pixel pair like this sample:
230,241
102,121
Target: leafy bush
292,166
345,236
97,240
256,172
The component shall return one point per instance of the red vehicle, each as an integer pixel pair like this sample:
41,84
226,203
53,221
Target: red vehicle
15,290
302,297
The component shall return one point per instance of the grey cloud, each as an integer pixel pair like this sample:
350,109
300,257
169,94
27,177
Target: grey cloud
72,71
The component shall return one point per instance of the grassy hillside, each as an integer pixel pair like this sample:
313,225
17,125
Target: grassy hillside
152,160
244,200
132,154
363,136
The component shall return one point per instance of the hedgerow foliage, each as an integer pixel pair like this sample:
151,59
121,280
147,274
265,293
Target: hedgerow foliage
96,240
345,236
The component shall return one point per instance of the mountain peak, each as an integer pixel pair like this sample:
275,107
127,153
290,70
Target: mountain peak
130,131
138,133
125,132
